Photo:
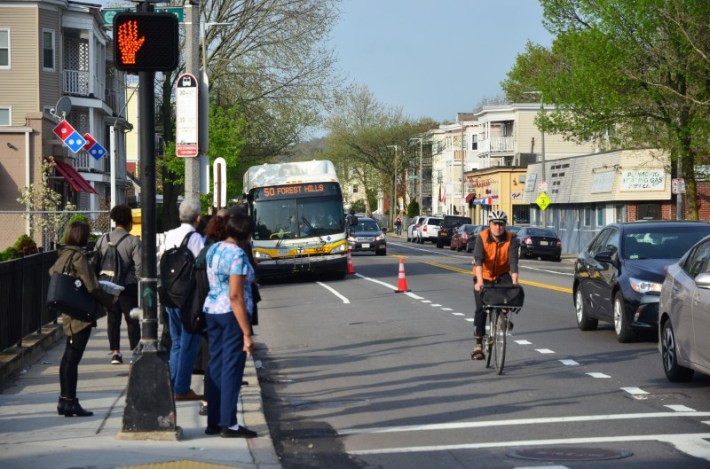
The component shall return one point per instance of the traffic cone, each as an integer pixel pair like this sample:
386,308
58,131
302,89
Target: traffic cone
402,282
351,269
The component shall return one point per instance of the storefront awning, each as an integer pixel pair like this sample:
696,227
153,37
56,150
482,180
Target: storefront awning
72,176
470,197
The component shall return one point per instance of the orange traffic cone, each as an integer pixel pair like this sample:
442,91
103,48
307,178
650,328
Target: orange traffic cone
351,269
402,282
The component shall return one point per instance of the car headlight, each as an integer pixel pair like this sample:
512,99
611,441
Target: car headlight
351,239
644,286
380,237
261,255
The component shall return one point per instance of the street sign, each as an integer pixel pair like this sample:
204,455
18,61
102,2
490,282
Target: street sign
186,116
107,14
678,186
542,201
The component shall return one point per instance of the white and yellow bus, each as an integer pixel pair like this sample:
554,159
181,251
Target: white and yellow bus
299,225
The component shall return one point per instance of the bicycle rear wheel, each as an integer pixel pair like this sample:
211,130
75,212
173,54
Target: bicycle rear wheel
500,341
489,337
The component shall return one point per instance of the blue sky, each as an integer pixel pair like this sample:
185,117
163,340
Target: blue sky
434,58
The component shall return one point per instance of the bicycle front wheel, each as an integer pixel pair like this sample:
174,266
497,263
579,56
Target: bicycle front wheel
499,339
490,335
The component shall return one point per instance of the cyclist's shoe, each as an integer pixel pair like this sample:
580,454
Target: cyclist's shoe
510,326
477,353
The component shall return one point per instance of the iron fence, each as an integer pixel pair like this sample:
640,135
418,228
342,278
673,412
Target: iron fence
23,290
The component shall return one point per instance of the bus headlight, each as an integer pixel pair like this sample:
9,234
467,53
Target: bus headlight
261,255
339,248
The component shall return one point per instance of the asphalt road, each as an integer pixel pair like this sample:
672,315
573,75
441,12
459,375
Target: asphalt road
356,375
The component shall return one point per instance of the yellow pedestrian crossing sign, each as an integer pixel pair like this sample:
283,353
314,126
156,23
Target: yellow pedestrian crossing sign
542,201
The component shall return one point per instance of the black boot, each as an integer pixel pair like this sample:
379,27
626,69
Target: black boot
62,405
74,408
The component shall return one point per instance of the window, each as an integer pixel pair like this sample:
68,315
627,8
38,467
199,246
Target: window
4,48
600,216
47,49
620,212
587,216
697,262
649,212
355,188
474,142
5,115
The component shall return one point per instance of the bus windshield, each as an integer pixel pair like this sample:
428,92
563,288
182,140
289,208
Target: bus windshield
295,218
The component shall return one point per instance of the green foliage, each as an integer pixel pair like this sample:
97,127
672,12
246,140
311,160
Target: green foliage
75,217
358,206
25,245
9,254
226,141
627,73
412,209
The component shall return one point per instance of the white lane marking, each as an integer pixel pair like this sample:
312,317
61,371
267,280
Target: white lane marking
541,467
635,391
679,408
523,342
426,301
392,287
598,375
469,319
458,314
698,448
568,362
545,270
544,350
412,295
334,292
447,309
435,305
513,422
706,422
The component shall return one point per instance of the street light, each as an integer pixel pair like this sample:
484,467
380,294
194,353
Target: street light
542,134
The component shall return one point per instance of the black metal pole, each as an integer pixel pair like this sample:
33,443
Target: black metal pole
150,407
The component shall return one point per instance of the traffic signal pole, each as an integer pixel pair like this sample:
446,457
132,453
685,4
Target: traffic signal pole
150,407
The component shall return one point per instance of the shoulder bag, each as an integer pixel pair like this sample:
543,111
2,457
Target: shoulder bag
68,294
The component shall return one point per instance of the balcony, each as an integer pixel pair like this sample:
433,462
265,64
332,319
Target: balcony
501,144
75,82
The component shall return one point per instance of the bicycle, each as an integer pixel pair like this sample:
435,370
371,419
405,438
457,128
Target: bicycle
499,302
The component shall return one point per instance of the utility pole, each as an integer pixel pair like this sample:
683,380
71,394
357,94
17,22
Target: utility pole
192,51
543,215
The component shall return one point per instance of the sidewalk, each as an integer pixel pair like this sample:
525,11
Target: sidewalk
32,435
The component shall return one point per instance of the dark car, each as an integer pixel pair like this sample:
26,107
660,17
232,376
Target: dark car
367,236
448,225
684,315
618,277
539,242
459,240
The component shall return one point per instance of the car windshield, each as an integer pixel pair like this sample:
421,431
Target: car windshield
367,225
433,221
669,242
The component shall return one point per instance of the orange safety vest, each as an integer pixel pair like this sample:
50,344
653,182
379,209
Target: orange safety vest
495,255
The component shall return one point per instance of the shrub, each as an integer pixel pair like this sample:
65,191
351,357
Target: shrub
75,217
25,245
9,254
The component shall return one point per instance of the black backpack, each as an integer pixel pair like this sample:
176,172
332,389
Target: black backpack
177,274
192,315
108,265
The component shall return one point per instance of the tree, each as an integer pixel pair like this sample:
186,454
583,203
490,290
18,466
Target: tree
372,141
627,73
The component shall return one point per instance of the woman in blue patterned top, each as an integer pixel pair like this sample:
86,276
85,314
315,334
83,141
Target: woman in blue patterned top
228,307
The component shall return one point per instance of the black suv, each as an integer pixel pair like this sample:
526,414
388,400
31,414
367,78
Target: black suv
450,223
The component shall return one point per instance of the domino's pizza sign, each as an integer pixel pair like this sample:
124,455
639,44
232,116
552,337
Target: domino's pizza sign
75,141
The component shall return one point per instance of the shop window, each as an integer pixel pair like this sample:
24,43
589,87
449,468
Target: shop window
587,216
649,211
521,214
600,216
620,213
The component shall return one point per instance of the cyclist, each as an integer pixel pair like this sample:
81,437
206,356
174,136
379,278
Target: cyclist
495,257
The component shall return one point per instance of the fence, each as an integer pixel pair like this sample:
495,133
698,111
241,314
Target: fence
23,290
46,227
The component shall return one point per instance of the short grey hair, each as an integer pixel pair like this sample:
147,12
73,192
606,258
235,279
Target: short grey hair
189,210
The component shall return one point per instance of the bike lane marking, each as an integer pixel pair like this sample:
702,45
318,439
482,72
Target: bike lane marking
334,292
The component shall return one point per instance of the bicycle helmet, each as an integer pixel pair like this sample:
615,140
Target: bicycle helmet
498,215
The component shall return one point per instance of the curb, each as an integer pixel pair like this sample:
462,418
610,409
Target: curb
14,359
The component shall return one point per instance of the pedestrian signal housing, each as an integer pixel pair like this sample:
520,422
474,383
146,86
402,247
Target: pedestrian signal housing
145,41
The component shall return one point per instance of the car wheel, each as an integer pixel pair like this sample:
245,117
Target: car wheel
669,354
622,325
584,322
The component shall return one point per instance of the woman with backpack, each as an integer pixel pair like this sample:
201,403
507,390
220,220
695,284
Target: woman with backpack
227,310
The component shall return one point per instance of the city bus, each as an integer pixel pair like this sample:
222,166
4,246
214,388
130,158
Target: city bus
299,223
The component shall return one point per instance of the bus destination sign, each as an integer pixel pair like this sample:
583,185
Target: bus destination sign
298,190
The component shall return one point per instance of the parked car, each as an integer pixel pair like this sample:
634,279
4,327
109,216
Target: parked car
539,242
471,241
428,229
618,277
460,238
684,315
448,226
367,236
412,228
